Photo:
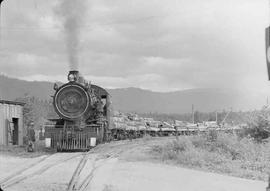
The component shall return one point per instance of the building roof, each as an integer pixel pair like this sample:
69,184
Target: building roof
12,102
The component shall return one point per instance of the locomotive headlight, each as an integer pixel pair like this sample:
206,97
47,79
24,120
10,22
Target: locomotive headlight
71,78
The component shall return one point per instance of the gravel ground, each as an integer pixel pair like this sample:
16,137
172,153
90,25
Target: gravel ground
144,176
118,166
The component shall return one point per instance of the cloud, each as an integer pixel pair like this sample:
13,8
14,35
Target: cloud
149,44
154,82
41,77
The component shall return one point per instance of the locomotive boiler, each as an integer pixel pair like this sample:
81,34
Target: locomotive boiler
84,115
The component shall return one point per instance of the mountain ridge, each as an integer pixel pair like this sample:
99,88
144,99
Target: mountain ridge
144,101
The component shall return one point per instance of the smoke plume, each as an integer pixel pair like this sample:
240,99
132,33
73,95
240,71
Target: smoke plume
72,13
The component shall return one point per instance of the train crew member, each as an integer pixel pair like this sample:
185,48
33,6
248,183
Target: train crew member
31,138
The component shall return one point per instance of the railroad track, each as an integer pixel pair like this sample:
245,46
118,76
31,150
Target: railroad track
75,177
24,173
75,184
78,181
4,180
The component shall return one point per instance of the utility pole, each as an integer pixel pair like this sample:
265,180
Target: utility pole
193,114
216,117
267,47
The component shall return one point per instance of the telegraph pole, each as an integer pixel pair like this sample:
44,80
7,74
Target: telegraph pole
216,117
0,36
267,47
193,120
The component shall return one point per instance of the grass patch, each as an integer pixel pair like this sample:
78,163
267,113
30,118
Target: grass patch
218,152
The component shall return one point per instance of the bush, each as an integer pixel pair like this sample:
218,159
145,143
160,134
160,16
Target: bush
199,141
212,136
147,137
220,152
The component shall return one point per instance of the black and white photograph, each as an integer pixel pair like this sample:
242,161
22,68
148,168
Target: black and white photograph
135,95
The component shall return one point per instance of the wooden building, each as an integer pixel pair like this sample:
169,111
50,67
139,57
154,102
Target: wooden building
11,123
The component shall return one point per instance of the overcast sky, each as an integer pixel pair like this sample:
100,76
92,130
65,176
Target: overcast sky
154,44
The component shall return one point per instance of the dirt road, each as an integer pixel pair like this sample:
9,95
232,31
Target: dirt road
133,176
111,167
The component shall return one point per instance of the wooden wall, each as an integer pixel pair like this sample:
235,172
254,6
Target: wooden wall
7,112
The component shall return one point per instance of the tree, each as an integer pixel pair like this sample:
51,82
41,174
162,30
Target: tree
259,124
35,110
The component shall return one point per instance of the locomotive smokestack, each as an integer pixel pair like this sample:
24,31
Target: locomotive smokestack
73,75
71,13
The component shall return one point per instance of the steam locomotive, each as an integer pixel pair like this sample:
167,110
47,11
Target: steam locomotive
84,115
86,119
